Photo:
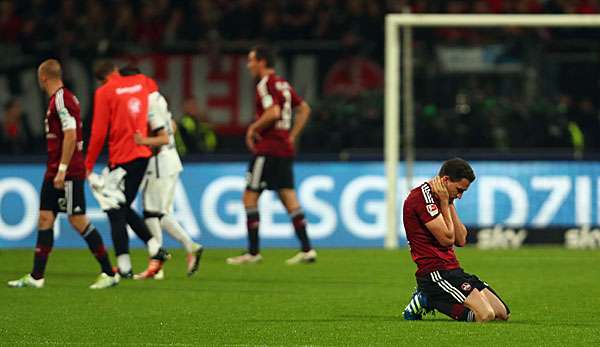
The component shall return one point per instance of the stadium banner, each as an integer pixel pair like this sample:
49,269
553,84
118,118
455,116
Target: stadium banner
344,203
503,237
223,89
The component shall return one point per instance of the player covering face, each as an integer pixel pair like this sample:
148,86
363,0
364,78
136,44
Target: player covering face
62,190
433,229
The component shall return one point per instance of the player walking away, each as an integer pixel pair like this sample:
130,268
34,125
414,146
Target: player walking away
433,228
162,175
62,190
121,108
271,139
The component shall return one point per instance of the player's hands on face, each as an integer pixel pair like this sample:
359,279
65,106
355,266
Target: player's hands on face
59,180
439,189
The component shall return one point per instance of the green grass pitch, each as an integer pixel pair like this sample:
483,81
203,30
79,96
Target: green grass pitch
349,297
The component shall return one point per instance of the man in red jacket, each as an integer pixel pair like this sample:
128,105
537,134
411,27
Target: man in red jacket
121,109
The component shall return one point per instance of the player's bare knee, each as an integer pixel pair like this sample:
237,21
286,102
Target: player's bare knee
45,220
250,199
78,222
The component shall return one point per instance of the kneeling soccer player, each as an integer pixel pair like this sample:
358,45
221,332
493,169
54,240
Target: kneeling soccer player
433,228
62,190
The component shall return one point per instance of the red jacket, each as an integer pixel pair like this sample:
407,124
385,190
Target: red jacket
120,109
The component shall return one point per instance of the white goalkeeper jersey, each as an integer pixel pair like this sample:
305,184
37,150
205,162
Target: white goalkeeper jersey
166,162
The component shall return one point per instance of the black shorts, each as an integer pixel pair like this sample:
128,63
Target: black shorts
447,288
271,173
135,172
71,200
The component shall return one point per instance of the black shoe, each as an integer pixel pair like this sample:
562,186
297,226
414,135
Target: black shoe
194,261
126,276
162,255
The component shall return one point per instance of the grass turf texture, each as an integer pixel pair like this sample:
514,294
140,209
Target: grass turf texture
349,297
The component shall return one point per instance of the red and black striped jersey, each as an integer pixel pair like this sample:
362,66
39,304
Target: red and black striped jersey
420,207
63,114
274,90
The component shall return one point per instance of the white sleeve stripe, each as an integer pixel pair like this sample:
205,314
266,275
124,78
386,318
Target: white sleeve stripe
67,121
262,87
59,100
427,194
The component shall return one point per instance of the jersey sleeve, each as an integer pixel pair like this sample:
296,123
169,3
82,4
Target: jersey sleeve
65,112
157,109
151,85
426,207
99,128
265,93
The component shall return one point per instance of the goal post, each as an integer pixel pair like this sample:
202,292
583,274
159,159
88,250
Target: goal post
393,78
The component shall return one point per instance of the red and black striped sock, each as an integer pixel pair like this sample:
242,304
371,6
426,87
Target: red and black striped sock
299,222
252,222
96,246
43,247
460,312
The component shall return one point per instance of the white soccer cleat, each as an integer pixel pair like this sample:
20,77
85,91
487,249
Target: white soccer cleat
244,259
303,257
160,275
105,281
27,282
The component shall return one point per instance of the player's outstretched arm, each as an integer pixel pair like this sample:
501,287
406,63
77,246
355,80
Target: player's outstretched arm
302,115
460,231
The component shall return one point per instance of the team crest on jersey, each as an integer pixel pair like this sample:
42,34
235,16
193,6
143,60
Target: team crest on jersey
134,105
432,209
465,287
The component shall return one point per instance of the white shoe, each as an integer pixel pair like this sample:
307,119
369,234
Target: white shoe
303,257
105,281
160,275
244,259
27,282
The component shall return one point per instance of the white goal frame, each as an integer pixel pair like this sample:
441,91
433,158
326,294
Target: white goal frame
393,77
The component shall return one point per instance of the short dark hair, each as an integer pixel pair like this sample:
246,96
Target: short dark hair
103,68
264,53
457,169
129,70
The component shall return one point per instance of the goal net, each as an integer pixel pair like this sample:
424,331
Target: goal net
488,79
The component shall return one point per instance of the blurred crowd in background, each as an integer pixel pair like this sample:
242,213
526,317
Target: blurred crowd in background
99,24
477,114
